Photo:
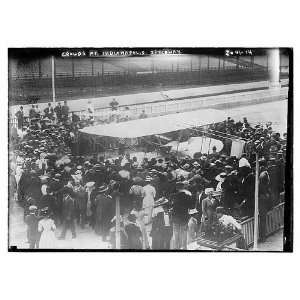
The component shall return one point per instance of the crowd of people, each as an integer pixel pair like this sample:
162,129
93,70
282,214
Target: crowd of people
165,202
61,113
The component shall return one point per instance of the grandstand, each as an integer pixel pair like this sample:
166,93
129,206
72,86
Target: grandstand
96,77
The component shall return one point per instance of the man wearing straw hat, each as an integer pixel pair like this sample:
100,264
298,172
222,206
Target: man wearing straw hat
192,225
209,205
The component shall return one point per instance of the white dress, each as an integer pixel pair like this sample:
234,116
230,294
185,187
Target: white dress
48,239
148,200
148,205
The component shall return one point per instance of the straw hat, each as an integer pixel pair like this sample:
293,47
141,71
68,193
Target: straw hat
90,184
160,202
193,211
32,207
221,177
148,179
208,191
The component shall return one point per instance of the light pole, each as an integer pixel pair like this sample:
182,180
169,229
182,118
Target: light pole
118,237
256,214
53,78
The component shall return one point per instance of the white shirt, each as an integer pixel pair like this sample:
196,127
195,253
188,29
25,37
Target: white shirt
124,174
148,201
90,108
229,220
124,161
219,186
149,191
44,189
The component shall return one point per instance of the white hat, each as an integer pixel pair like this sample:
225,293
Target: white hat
148,178
90,184
193,211
221,177
208,190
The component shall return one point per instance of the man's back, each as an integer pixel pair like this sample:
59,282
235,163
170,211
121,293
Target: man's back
65,109
68,207
32,222
182,202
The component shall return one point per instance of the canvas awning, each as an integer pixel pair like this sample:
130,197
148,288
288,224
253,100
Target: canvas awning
157,125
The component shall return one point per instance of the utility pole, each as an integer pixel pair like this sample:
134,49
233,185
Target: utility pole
53,78
256,214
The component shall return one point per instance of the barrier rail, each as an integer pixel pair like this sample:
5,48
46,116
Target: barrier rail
248,231
174,106
274,222
275,219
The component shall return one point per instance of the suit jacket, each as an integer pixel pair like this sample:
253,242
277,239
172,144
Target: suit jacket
81,197
181,204
68,210
209,206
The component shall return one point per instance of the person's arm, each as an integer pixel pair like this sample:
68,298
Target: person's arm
53,227
40,227
204,208
235,223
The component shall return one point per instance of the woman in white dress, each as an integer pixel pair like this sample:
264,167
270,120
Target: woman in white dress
47,228
149,194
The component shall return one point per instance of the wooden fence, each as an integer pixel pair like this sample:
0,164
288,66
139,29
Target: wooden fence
274,222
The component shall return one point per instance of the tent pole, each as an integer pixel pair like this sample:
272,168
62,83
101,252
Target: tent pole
178,144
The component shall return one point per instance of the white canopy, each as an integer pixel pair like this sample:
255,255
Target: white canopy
157,125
